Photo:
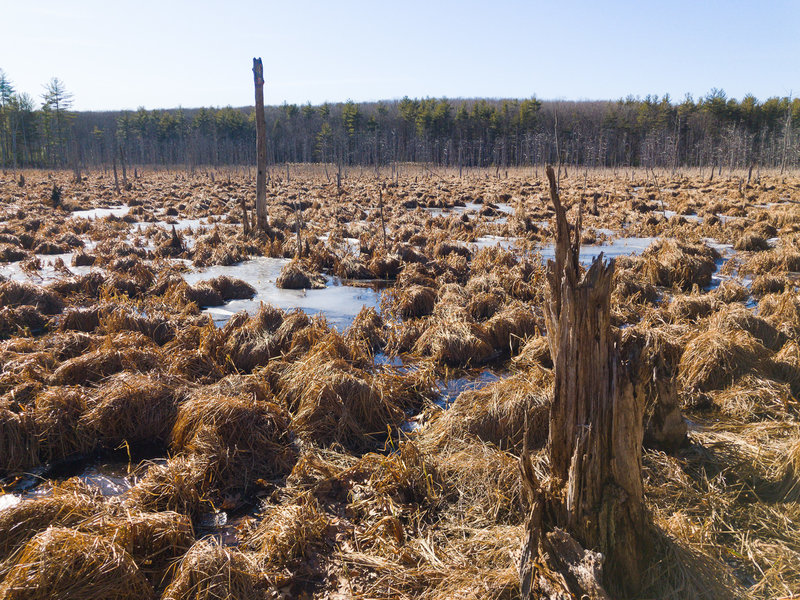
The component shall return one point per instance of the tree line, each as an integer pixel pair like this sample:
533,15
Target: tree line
651,132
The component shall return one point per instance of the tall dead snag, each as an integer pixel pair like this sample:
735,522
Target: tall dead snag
588,527
261,147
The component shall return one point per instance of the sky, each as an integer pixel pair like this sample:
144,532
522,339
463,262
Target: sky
122,55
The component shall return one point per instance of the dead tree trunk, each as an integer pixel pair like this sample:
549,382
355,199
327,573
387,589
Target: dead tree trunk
594,499
261,147
383,222
114,165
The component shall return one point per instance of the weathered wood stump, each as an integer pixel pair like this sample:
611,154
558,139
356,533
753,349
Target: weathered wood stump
588,528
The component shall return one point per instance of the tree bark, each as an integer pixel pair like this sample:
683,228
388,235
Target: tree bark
595,494
261,147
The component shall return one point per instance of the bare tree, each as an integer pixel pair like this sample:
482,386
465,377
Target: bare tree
261,147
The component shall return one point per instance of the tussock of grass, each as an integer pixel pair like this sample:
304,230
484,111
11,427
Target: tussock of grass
244,439
209,571
64,563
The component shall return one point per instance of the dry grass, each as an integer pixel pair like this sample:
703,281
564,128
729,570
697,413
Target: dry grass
294,277
210,571
668,263
19,443
132,352
716,358
331,400
414,301
180,485
289,534
244,439
56,414
507,330
496,413
454,341
133,409
155,541
64,563
14,293
68,504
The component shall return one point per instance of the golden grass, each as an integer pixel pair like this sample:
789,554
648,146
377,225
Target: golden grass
64,563
125,351
210,571
331,400
716,358
155,541
181,485
56,414
67,505
132,409
496,413
244,439
454,341
289,534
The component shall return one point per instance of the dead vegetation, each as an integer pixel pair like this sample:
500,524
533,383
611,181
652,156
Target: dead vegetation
342,478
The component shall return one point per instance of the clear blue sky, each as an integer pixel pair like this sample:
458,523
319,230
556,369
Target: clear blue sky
114,55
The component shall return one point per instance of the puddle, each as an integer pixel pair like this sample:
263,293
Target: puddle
47,274
338,303
470,208
108,476
449,389
487,241
613,249
99,213
693,218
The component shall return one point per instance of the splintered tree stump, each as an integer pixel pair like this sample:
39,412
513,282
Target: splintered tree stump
588,527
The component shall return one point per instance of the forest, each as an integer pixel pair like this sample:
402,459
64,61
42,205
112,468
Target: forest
713,130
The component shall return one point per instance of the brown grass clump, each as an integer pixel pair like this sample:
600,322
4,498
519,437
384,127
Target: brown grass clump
287,535
154,540
245,440
56,414
730,291
19,444
496,414
668,263
768,283
180,485
455,342
210,571
751,242
294,277
790,481
507,329
692,307
714,359
535,352
15,293
21,320
67,505
481,483
133,408
132,351
777,260
121,319
367,329
414,302
733,318
64,563
350,267
484,305
754,398
783,310
333,401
